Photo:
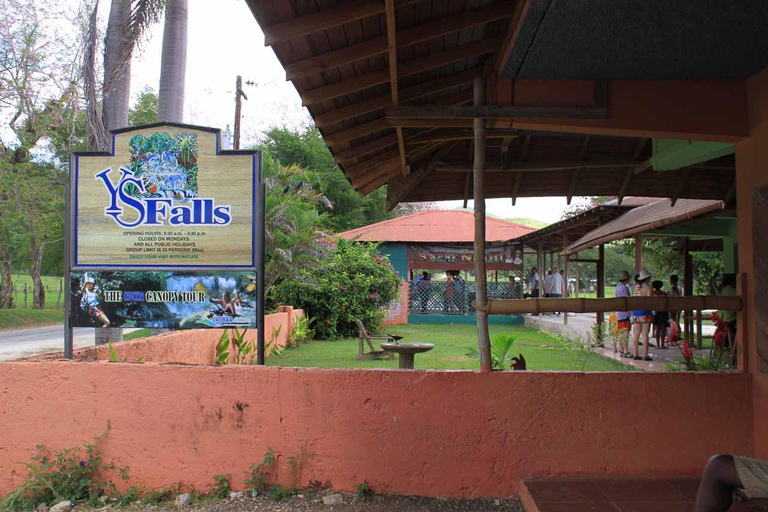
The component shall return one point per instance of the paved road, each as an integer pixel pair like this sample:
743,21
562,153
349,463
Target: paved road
27,342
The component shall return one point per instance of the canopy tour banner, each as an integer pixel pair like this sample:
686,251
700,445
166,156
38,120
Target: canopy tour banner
435,257
163,299
165,197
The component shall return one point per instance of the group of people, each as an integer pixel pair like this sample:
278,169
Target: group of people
552,285
639,322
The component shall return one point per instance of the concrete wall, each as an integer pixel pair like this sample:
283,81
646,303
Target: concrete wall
449,433
194,346
751,172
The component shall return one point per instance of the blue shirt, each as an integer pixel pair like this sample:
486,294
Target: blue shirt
622,290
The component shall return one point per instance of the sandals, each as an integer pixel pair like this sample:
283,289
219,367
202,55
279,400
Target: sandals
646,358
637,358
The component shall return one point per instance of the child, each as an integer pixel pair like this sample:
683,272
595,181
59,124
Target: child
660,318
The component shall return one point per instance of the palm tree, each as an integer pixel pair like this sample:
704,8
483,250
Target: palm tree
174,64
128,20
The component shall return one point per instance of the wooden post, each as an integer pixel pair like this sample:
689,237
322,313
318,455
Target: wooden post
481,285
699,340
565,287
688,289
238,108
600,292
578,279
539,271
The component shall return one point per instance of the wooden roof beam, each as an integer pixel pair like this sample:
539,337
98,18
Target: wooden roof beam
680,186
495,112
407,37
447,135
393,85
412,67
360,130
631,171
574,183
460,167
516,190
407,94
325,19
364,149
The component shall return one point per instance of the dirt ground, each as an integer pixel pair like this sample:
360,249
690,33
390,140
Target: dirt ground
313,501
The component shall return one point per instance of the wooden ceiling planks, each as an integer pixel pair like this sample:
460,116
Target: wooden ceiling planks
336,62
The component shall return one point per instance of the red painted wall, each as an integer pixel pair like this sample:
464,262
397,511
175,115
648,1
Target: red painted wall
752,171
450,433
195,346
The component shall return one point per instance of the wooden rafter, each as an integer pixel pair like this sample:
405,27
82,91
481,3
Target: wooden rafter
460,167
409,68
408,37
572,186
731,194
516,191
494,112
364,149
446,135
467,184
385,100
525,148
631,171
680,186
393,85
360,130
378,176
510,35
399,188
583,149
325,19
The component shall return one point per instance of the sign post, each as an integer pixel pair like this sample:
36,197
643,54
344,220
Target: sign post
165,231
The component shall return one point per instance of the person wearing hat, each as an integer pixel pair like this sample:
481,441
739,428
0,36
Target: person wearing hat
642,318
623,325
89,302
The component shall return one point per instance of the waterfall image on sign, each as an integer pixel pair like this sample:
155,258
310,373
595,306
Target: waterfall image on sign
167,166
159,186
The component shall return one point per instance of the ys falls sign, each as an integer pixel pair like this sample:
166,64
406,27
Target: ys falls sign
165,197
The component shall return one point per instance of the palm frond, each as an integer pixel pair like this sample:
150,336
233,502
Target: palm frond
96,133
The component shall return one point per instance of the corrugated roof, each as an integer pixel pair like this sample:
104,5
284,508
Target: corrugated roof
445,226
645,218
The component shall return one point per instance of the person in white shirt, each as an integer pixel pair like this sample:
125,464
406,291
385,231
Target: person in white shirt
535,284
556,285
548,283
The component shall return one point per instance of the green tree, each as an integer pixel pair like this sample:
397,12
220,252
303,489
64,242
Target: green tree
40,102
144,111
346,209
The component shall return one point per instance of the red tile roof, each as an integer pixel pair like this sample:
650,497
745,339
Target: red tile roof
445,226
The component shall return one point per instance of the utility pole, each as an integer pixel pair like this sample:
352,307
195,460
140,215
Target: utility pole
238,108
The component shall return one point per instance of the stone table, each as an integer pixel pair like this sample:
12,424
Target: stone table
406,352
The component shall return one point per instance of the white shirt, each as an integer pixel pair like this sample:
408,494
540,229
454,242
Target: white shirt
535,281
548,283
556,284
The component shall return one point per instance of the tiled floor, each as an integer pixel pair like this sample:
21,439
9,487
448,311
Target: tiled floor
613,495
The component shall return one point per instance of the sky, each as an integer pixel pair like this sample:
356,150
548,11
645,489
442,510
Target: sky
224,41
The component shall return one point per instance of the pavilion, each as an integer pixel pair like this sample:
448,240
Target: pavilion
470,100
442,240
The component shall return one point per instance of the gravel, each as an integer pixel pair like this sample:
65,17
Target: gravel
313,501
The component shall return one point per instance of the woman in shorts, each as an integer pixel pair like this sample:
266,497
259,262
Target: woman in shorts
642,318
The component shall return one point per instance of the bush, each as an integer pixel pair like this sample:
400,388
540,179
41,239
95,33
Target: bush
354,282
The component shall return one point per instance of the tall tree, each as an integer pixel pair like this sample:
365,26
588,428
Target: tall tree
128,21
39,101
174,64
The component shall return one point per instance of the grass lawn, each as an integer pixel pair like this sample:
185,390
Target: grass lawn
51,284
541,350
20,318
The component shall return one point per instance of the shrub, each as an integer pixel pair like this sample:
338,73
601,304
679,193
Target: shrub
354,282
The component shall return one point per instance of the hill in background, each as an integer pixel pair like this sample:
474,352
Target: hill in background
531,223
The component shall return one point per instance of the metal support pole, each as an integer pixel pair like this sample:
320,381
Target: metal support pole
260,216
68,341
481,285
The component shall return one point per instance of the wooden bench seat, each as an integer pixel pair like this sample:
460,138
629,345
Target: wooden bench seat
616,495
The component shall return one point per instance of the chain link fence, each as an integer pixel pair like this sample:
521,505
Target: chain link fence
451,298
